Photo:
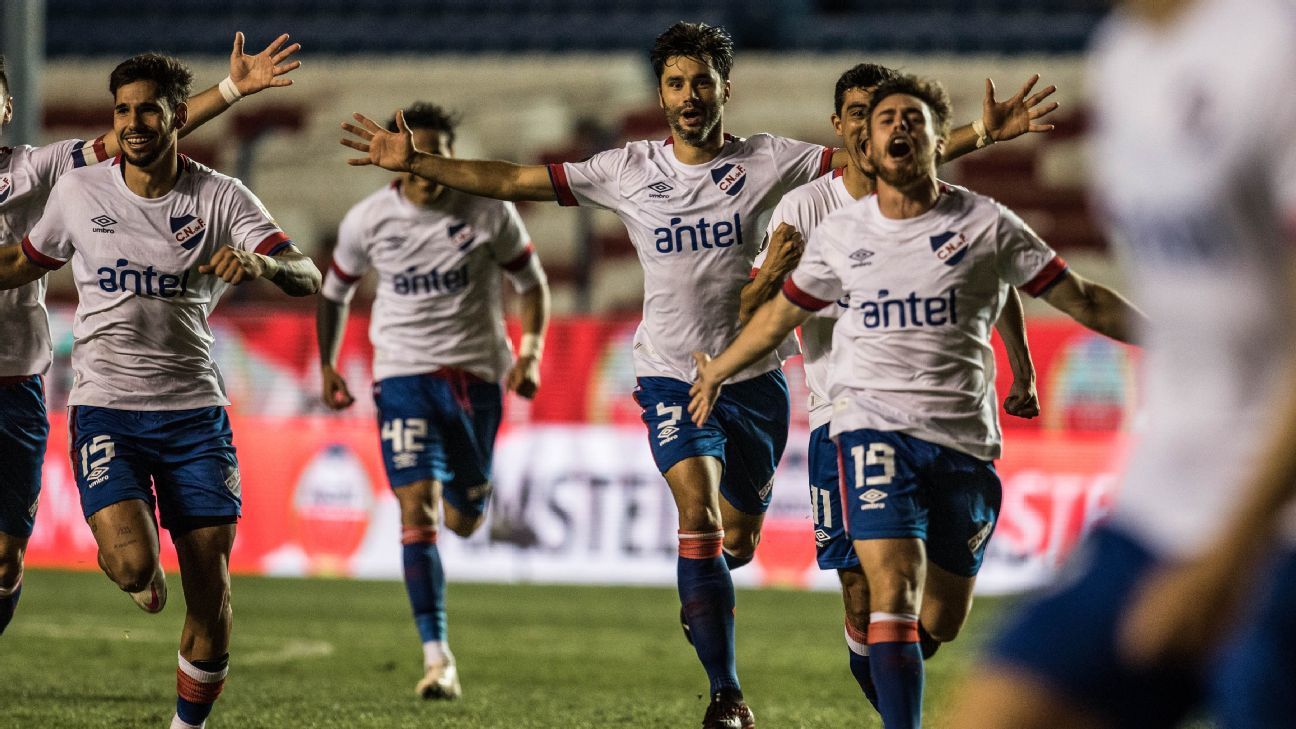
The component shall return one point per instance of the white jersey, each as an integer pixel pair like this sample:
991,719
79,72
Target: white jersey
26,176
1195,165
438,300
697,229
804,208
912,353
141,338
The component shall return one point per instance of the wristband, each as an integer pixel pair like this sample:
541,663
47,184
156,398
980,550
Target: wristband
983,136
532,345
229,91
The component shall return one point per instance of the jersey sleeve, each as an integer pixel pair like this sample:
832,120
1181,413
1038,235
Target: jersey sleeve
51,161
595,182
50,244
250,226
815,283
799,162
1024,260
350,259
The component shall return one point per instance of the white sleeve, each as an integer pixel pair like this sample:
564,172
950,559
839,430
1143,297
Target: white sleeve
50,243
798,162
250,226
350,259
511,247
815,283
1022,259
52,161
596,181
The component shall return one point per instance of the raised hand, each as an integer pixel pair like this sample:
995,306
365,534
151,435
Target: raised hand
393,151
251,74
1011,118
705,391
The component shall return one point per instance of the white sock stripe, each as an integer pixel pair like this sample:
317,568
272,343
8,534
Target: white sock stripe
702,535
200,675
178,723
859,649
892,618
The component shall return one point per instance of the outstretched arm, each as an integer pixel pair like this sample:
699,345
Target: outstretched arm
785,248
1096,307
1003,120
15,269
768,327
247,76
395,151
330,324
1022,399
290,269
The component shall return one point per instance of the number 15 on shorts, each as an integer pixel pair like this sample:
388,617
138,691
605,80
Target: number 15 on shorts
874,466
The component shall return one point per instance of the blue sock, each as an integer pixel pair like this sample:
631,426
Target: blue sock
895,661
857,645
707,594
424,581
198,684
8,604
734,562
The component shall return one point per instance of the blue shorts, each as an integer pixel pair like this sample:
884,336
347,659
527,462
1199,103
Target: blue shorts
186,456
1067,639
24,431
914,488
441,426
833,547
747,432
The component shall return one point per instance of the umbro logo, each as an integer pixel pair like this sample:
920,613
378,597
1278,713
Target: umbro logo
861,258
872,499
661,186
821,537
103,224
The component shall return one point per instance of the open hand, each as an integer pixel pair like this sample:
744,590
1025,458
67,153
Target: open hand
393,151
251,74
1011,118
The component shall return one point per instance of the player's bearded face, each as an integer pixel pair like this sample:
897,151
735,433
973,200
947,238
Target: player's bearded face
902,147
693,96
144,125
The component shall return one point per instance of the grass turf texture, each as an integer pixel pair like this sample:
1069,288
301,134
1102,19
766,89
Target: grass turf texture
339,653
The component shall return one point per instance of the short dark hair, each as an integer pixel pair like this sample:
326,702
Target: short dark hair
430,117
861,76
4,78
709,44
173,79
930,92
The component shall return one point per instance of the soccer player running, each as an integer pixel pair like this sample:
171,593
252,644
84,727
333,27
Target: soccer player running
154,240
26,176
947,597
1186,597
694,206
927,267
440,353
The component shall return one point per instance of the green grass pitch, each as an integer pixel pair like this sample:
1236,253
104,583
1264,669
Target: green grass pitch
341,653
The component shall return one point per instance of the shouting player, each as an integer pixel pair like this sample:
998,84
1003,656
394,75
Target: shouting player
1186,597
926,267
26,176
947,597
440,352
154,240
694,205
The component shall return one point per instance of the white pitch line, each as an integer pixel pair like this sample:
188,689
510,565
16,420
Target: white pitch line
290,649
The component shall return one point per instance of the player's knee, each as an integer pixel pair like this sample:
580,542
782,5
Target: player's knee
740,544
463,524
945,622
895,590
10,571
132,575
699,518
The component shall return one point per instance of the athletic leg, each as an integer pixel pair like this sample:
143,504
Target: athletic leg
204,642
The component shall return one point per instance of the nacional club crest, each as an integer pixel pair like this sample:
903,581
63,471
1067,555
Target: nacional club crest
949,247
189,230
730,178
6,187
462,235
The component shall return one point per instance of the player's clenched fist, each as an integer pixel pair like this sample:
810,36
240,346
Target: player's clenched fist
234,265
336,394
524,377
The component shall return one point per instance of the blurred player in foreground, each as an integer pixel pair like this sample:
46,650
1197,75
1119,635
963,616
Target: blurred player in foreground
927,267
440,352
154,240
947,597
1187,596
694,205
26,176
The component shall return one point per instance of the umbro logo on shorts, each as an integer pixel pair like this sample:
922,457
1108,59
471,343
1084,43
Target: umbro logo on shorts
103,224
872,499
